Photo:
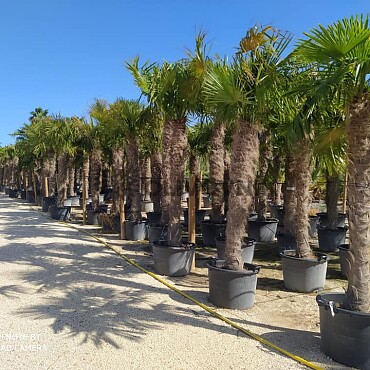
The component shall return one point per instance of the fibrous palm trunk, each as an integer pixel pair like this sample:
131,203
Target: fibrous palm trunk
173,171
62,178
332,196
71,178
95,176
194,169
49,170
303,172
276,191
118,178
227,161
217,171
156,180
290,198
358,129
145,174
264,159
133,170
243,170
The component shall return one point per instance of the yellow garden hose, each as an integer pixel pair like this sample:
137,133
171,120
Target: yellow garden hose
200,304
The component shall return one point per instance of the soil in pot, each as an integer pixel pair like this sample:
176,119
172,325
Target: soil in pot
210,231
330,240
173,261
232,289
262,230
302,274
248,246
345,335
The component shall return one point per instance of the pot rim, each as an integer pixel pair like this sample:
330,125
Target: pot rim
321,257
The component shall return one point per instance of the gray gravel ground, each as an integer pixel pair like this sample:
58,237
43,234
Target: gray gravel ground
69,303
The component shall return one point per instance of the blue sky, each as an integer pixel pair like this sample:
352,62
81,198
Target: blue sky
62,54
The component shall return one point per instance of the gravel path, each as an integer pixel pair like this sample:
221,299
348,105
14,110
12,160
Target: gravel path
69,303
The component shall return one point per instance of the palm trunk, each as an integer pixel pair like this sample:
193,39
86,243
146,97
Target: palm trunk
62,178
95,176
227,162
217,171
50,171
156,178
194,169
303,169
145,178
243,170
264,159
276,191
134,174
358,129
105,177
118,178
71,179
332,196
85,185
290,198
174,159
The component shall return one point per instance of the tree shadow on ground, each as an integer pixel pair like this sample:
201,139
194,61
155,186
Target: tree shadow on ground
86,291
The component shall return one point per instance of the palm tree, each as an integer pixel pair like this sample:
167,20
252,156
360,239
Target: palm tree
242,89
341,55
170,88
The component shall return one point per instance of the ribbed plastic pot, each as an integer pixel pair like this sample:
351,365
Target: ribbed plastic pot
199,216
323,219
75,201
173,261
60,213
232,289
48,202
262,231
210,231
344,259
345,335
330,240
135,230
304,275
154,218
248,246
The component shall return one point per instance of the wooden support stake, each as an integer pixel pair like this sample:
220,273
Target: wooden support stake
122,218
46,186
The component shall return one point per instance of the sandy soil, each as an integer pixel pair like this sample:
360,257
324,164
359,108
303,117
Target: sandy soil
67,302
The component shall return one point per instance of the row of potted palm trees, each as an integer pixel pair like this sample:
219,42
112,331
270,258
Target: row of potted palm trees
310,105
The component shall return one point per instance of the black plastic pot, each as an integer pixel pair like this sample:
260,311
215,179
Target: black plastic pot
232,289
210,231
156,233
263,231
248,246
199,216
92,217
304,275
31,196
173,261
330,240
23,194
6,190
345,335
146,206
2,188
312,226
154,218
323,219
48,202
135,230
286,242
277,211
344,259
60,213
14,193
